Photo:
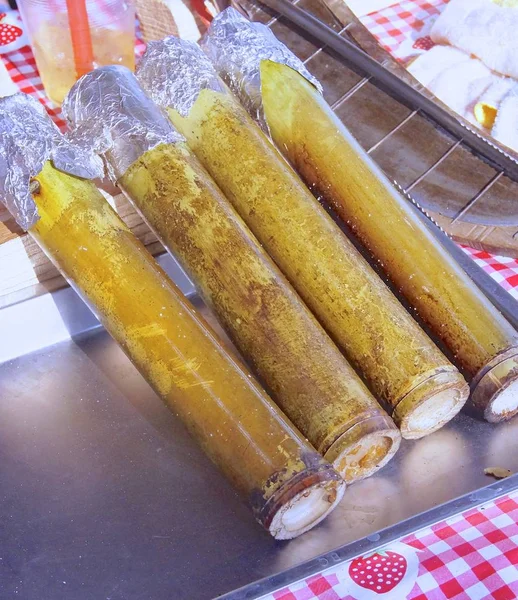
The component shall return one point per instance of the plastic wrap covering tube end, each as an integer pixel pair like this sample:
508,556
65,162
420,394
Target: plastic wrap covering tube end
111,116
25,145
364,448
431,404
290,486
236,47
307,499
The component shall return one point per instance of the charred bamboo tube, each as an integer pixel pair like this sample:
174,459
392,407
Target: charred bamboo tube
480,341
399,362
305,372
290,487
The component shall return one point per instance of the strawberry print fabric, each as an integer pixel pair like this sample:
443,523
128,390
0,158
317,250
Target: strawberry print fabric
12,33
472,556
379,574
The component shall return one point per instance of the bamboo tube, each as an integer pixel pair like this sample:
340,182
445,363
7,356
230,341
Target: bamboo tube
480,341
305,372
289,486
397,360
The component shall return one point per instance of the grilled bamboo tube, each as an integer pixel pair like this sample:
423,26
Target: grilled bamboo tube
289,486
480,341
271,327
399,362
302,368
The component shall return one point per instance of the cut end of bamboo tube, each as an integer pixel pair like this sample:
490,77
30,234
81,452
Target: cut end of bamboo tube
495,390
303,501
364,448
306,509
431,404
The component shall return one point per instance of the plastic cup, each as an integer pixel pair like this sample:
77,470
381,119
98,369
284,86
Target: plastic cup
67,44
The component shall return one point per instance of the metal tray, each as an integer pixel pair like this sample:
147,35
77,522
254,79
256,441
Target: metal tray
105,496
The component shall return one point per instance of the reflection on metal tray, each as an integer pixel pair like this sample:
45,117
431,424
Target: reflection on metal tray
468,185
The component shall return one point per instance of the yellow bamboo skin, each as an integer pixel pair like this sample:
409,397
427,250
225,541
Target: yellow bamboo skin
231,417
335,166
357,309
273,329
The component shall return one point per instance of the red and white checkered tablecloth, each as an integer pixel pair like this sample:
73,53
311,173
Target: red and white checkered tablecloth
502,269
22,69
403,28
472,556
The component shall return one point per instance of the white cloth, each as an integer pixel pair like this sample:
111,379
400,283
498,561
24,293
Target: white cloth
505,129
461,86
429,65
454,77
497,91
482,28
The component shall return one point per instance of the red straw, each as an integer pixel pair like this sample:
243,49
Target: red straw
81,38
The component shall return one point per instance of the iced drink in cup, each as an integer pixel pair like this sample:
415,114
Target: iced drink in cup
72,37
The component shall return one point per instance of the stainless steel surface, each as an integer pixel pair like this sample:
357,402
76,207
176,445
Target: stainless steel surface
372,542
104,495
